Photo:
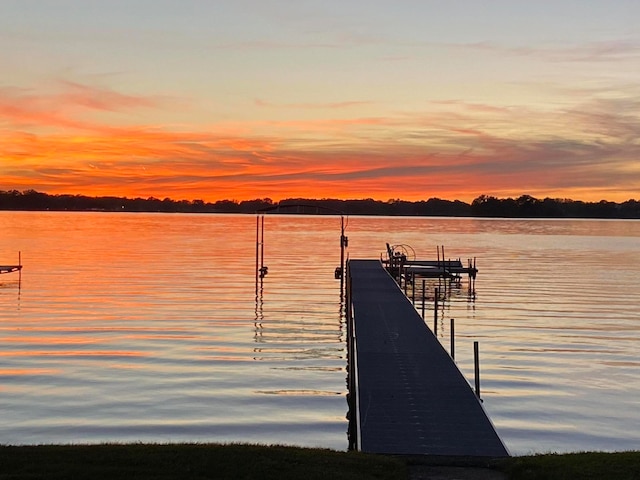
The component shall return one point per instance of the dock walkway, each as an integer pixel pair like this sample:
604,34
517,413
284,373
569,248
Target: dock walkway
407,396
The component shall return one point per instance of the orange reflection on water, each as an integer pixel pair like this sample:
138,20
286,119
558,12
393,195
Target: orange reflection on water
4,372
50,340
79,353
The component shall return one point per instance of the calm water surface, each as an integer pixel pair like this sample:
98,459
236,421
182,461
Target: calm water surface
148,327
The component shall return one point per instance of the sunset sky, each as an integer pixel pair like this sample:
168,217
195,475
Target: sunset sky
244,99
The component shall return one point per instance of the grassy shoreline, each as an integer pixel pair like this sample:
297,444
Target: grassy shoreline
217,461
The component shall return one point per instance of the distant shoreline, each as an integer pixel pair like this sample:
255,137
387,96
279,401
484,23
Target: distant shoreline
485,206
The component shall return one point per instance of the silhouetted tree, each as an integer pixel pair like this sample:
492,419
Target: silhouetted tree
484,206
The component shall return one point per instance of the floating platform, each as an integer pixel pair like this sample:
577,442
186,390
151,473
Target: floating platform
433,269
10,268
400,266
406,394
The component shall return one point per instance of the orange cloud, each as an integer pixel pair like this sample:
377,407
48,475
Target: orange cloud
456,151
23,109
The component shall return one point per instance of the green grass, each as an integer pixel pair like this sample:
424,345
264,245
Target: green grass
574,466
213,461
187,461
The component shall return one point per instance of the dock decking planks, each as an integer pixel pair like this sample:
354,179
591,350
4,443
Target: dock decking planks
412,399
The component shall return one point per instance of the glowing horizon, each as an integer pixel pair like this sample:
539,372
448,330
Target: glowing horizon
326,106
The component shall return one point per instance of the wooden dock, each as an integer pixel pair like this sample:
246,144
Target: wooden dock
406,395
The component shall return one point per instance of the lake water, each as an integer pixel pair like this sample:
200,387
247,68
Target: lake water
147,327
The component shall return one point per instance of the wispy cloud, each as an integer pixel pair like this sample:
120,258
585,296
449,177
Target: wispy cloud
313,106
67,106
596,52
457,149
101,98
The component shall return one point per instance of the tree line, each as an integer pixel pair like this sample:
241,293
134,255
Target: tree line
524,206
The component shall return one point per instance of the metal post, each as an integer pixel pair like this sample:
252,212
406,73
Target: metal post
349,313
257,250
435,311
404,274
262,245
438,263
413,288
476,363
453,343
423,297
474,276
342,245
444,269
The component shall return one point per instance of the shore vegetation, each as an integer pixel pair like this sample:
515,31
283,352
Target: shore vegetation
524,206
242,461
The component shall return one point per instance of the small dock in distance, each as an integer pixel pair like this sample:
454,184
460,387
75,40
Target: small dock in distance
400,265
438,268
12,268
406,395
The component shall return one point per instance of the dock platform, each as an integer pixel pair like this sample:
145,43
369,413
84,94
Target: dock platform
10,268
407,396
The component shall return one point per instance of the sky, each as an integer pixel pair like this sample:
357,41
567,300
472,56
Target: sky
245,99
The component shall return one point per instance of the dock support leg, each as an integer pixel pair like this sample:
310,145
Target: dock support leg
476,364
453,342
435,311
413,289
404,274
423,297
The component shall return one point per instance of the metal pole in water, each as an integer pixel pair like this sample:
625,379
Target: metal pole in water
476,364
257,250
413,288
444,273
435,312
404,274
474,275
438,263
453,334
342,246
349,289
262,245
423,297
